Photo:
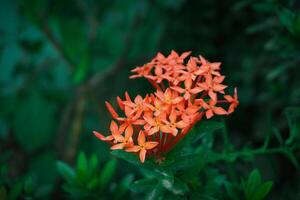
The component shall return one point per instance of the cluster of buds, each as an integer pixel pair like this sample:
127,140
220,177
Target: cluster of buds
185,92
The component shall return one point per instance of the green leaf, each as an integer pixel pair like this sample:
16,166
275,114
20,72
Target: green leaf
82,167
189,161
143,185
93,164
164,176
253,182
34,122
206,127
28,185
133,159
203,130
287,17
92,184
262,191
65,171
123,186
157,193
231,191
74,191
107,172
177,188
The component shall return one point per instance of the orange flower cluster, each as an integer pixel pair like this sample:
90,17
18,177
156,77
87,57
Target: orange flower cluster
184,93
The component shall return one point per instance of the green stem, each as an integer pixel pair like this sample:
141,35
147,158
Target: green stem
225,137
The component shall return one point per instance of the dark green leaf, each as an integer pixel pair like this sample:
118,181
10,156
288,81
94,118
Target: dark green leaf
28,185
206,127
92,184
253,182
156,193
65,171
82,167
287,18
262,191
201,131
107,172
143,185
177,187
190,161
129,157
93,164
123,187
231,191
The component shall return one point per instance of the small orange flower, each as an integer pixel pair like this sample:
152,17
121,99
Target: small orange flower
114,130
142,146
233,101
168,97
173,124
208,68
153,125
213,85
123,141
211,109
187,91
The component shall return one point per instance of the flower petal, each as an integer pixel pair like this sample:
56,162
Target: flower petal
219,111
117,146
134,148
153,130
102,137
143,155
112,111
128,131
209,114
141,138
151,145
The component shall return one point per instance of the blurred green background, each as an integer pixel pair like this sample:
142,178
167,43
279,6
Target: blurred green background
60,60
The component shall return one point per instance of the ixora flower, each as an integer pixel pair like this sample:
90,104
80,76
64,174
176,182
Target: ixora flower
154,124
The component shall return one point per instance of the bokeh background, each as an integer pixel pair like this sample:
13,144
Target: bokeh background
60,60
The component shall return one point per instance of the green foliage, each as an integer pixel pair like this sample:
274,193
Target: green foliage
88,181
59,58
187,172
254,188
